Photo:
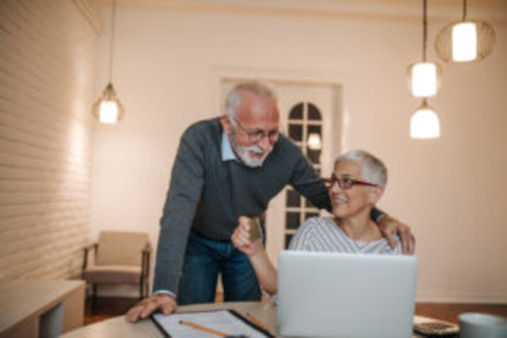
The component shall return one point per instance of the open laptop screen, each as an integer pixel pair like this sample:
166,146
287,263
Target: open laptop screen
345,295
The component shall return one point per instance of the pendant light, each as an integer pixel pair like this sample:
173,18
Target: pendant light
424,76
424,123
465,41
314,142
108,108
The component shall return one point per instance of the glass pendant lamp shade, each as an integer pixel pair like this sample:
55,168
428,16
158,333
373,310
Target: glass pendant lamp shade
108,108
424,76
424,79
424,123
314,142
464,42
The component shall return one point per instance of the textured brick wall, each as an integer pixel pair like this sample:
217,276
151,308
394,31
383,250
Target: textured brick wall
47,69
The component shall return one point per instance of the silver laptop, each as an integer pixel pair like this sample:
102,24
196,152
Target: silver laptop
345,295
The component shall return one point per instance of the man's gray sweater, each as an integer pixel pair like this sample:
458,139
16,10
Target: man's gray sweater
208,195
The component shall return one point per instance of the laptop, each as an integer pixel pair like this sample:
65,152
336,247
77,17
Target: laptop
345,295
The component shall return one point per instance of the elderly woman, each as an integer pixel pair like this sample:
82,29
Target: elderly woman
357,183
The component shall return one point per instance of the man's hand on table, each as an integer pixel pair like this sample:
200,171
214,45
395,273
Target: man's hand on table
144,308
390,226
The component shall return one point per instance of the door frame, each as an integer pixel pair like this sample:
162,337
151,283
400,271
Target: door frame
342,80
339,118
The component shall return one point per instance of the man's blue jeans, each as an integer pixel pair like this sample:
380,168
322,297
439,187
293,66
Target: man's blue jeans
204,259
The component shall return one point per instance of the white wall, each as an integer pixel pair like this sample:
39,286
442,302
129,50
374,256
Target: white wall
450,190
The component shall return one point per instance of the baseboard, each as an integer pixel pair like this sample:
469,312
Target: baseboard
462,298
131,291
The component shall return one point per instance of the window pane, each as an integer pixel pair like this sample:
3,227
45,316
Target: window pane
292,220
293,198
313,112
288,238
313,155
296,132
296,113
311,214
314,129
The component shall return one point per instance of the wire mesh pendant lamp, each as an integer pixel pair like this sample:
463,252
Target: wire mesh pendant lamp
465,40
108,108
425,80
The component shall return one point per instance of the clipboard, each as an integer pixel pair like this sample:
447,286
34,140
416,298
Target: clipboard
230,322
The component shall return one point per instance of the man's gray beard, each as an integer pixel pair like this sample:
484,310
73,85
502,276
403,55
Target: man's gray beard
243,154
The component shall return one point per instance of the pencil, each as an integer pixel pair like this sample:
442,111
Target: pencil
202,328
256,321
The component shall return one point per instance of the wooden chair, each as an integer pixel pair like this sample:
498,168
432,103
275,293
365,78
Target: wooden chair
119,258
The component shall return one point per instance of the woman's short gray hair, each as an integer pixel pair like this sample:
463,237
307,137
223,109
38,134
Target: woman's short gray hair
373,169
233,99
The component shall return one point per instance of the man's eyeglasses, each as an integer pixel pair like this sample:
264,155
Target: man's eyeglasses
345,183
255,136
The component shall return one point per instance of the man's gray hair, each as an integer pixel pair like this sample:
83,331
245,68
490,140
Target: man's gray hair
233,99
373,170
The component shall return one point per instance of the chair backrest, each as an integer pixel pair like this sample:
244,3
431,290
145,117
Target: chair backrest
121,247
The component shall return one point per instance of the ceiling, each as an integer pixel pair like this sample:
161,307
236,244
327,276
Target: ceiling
494,10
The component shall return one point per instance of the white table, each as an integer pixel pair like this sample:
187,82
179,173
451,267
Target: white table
118,327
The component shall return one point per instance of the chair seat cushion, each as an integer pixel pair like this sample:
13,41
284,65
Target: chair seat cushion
113,274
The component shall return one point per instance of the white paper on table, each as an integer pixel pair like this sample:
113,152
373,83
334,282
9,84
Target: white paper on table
222,320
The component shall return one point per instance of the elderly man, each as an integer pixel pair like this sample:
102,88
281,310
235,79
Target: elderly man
226,168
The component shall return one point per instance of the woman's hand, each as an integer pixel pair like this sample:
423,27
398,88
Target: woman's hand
254,249
241,238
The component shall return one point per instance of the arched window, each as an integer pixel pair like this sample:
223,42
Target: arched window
305,130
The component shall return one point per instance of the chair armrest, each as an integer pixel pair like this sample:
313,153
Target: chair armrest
86,249
91,246
147,248
145,262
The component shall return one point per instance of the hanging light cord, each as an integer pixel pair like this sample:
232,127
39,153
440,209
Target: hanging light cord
464,10
113,18
425,30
